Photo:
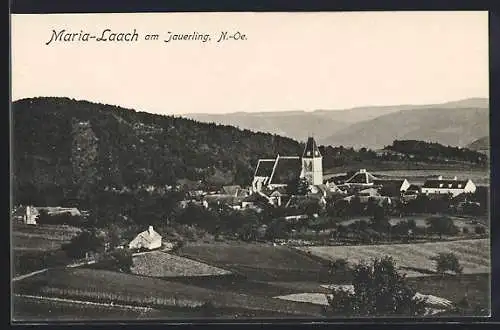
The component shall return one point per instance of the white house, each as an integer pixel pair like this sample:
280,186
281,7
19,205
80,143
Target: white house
148,239
453,186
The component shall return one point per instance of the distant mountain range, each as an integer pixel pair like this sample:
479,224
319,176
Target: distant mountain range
453,123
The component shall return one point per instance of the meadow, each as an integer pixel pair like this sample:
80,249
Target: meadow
37,247
257,261
105,287
162,264
415,258
30,309
41,237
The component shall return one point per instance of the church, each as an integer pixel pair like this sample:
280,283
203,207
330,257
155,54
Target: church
277,172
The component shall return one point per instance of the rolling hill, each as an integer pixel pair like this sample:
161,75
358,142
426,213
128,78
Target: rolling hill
480,145
322,123
447,126
63,147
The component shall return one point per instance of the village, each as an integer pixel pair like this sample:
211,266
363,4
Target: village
301,207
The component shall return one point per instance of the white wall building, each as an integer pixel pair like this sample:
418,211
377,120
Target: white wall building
148,239
453,186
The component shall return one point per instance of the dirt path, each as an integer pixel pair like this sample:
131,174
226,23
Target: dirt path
22,277
78,264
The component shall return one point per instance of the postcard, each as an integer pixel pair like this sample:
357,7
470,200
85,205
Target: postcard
250,165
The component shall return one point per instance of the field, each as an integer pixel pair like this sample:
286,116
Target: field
239,279
257,261
475,286
37,247
42,237
162,264
106,286
473,255
30,309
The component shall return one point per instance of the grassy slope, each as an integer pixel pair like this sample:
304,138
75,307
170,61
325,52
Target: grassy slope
473,254
475,286
161,264
257,261
99,285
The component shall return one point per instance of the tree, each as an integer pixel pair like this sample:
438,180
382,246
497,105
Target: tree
278,228
378,290
86,241
480,230
338,267
302,187
118,260
447,262
442,226
380,220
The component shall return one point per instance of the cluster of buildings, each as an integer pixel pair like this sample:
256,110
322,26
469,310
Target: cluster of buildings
273,176
271,186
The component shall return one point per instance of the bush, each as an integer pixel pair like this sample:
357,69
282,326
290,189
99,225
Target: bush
447,262
80,245
442,226
339,266
465,230
379,290
118,260
480,230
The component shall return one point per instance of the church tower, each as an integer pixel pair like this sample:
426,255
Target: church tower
312,163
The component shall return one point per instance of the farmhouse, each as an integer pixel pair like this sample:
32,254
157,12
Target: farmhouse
148,239
453,186
25,214
280,171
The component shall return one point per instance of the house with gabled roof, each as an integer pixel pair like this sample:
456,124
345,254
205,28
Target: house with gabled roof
454,187
148,239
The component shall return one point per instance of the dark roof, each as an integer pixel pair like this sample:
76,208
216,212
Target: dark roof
265,167
361,177
413,187
388,182
311,149
281,190
287,169
445,184
252,198
228,199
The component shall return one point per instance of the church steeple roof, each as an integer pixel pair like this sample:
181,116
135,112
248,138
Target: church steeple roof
311,149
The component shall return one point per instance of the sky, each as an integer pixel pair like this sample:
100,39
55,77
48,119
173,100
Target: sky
289,61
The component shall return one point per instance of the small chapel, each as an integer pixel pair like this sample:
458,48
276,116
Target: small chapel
278,172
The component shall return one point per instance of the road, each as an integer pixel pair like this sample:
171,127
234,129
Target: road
77,264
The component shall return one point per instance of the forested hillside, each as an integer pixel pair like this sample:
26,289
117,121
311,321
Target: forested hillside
63,147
